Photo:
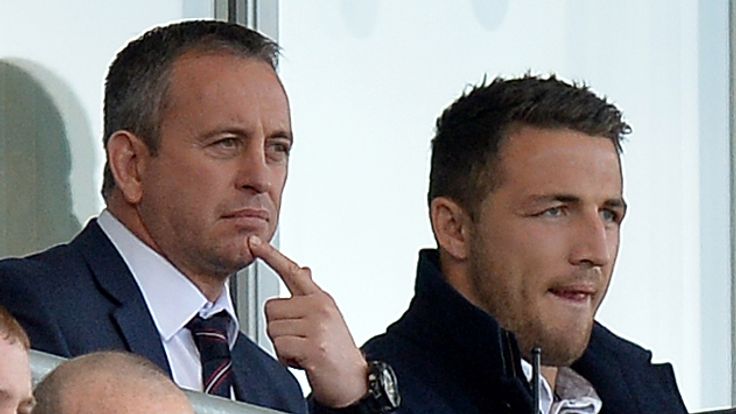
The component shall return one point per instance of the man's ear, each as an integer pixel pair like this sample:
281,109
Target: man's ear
127,155
451,226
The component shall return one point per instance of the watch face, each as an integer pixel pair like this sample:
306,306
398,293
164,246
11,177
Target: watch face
389,381
387,393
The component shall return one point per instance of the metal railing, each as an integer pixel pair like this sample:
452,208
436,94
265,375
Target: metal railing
43,363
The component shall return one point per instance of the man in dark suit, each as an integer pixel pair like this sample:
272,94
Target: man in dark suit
197,134
526,204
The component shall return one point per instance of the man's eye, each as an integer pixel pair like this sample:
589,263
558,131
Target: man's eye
553,212
227,143
609,216
279,150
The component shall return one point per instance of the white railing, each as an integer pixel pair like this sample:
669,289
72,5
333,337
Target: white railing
43,363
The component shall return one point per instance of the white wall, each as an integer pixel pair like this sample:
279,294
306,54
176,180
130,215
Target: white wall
67,46
367,79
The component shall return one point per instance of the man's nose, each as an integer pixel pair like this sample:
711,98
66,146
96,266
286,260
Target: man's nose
254,172
592,242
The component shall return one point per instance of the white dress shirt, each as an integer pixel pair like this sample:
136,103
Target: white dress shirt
575,394
172,300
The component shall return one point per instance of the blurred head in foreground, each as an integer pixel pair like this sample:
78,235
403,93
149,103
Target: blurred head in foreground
15,371
111,383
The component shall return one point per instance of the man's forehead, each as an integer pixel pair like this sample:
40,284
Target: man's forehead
216,57
227,86
536,162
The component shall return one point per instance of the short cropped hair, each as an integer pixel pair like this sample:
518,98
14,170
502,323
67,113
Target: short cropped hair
11,331
137,81
470,132
119,370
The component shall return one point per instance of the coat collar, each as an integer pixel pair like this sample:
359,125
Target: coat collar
461,325
480,354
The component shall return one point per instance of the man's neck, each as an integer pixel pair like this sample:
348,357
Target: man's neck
550,374
211,287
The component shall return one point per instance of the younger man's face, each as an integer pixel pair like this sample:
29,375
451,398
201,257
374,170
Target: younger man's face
544,243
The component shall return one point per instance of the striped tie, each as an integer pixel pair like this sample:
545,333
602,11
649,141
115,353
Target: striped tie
210,336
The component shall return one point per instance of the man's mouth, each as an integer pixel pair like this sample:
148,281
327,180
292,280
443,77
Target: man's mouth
249,217
580,294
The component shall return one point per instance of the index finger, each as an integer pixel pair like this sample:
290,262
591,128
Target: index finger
296,278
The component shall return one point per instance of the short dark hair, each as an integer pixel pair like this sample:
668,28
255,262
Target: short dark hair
11,331
138,78
471,130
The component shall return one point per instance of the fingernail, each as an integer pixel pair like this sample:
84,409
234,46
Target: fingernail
255,240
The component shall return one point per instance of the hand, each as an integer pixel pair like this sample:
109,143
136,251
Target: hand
309,333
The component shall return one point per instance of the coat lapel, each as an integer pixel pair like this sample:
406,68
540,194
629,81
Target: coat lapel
244,379
131,315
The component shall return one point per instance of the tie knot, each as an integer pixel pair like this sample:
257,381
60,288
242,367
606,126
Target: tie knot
214,328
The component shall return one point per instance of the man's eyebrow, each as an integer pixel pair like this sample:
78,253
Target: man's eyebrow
616,203
282,133
241,132
550,198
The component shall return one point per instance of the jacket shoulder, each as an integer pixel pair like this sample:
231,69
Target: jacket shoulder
624,376
46,292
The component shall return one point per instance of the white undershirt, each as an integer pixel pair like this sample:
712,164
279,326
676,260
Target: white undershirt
576,394
172,301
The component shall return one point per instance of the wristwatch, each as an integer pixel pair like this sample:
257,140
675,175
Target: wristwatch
383,392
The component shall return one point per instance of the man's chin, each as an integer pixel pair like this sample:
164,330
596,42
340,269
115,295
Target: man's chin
559,348
566,351
236,253
229,261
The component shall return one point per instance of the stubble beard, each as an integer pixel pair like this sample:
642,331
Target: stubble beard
513,313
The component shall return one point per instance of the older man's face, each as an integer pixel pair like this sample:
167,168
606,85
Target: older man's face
221,167
15,379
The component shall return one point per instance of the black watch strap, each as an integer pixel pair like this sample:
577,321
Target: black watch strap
383,392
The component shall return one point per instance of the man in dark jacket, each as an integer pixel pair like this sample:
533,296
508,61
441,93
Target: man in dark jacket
526,205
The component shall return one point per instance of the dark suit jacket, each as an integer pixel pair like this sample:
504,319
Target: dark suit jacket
80,297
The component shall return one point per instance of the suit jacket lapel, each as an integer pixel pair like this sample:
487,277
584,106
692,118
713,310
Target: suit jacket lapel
244,380
131,315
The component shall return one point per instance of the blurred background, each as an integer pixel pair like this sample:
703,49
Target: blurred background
366,80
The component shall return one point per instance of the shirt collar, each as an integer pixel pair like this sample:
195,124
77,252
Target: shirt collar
172,299
546,397
575,393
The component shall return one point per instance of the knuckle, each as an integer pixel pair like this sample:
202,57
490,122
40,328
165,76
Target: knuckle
322,349
329,299
321,329
293,268
324,309
268,308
